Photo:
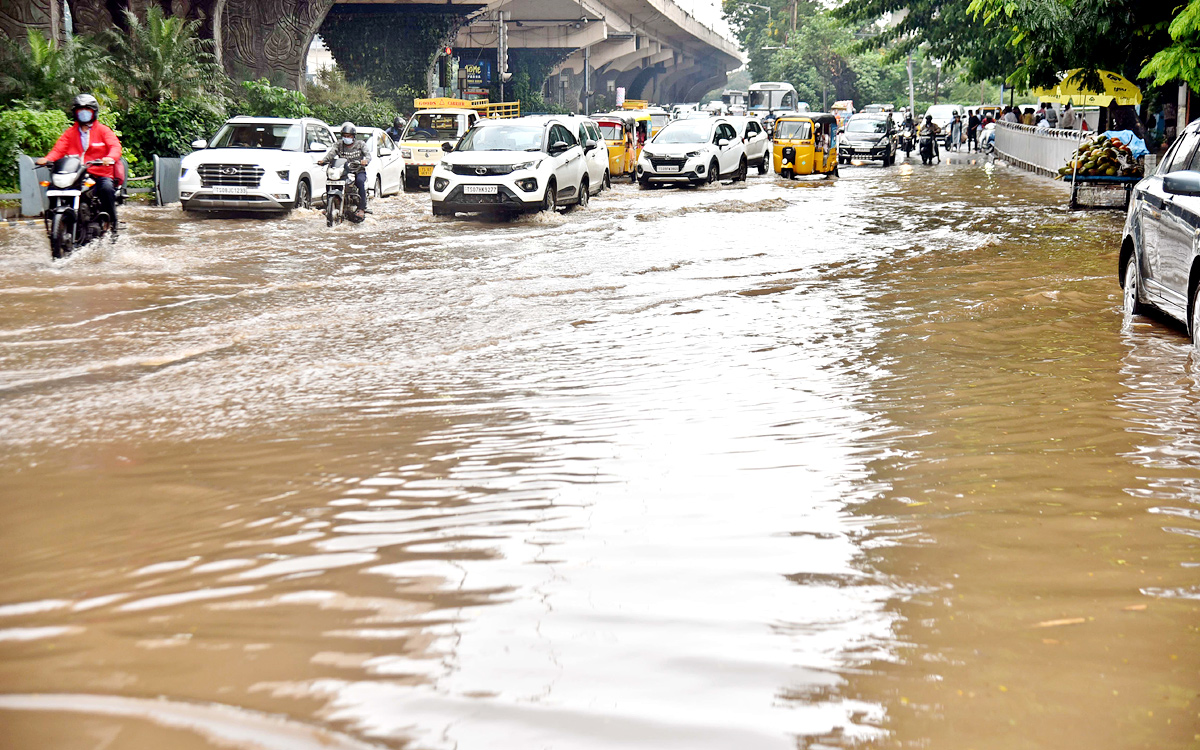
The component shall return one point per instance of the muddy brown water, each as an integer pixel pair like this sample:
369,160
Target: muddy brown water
875,463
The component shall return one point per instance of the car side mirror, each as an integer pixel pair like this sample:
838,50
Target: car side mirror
447,147
200,143
558,147
1185,182
723,143
317,146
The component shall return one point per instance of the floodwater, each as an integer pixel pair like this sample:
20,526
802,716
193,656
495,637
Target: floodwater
874,462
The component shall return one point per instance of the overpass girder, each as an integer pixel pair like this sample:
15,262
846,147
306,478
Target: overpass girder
557,36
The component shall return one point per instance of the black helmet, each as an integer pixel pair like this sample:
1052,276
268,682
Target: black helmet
85,101
397,121
349,129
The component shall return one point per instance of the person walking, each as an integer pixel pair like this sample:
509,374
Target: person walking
1066,120
1010,115
973,126
956,132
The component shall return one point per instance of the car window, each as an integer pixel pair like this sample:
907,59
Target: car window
325,136
559,133
1194,163
311,134
752,128
584,135
595,132
1182,157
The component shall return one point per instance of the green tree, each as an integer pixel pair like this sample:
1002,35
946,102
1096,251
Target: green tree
50,73
1180,61
165,58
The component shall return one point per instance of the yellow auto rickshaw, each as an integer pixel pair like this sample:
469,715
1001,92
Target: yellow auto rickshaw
620,133
805,143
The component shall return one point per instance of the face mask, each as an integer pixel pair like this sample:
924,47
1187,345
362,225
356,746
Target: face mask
84,115
348,141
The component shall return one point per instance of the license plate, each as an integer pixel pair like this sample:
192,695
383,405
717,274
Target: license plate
229,190
424,171
668,169
480,189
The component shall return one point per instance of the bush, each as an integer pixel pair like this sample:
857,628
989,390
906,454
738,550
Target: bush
29,131
261,99
165,128
364,115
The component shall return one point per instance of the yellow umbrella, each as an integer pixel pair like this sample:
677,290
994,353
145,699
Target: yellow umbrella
1114,89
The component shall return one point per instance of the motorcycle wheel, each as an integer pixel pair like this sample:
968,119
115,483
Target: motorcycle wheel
333,210
62,240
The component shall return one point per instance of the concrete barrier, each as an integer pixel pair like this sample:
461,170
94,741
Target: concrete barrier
1042,151
166,180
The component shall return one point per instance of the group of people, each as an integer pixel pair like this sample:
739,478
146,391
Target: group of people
96,143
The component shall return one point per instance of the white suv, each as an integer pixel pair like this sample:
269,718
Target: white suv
526,164
256,164
693,152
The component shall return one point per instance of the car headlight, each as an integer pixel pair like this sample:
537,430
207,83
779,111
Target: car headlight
406,153
693,154
647,154
532,164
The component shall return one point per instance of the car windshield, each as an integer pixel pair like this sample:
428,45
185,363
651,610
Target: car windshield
261,135
430,127
503,138
793,130
658,121
866,125
685,131
610,131
940,112
772,99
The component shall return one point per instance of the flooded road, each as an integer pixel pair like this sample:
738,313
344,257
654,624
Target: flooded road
875,462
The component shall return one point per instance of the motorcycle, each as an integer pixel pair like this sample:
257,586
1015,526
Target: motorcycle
929,149
908,140
987,140
74,217
341,194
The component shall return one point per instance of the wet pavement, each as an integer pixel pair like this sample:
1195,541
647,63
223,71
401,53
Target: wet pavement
870,462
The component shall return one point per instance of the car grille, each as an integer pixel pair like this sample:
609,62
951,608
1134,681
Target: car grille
660,163
473,169
233,175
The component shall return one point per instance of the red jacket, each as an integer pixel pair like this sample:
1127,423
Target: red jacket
103,142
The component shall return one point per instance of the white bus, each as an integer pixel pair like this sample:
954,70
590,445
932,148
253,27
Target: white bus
770,99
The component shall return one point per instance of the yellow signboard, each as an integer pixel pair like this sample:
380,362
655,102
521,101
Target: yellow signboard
443,102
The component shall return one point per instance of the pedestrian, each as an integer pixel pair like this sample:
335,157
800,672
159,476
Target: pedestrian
1066,121
1052,116
1042,123
1169,123
1010,115
973,126
1028,118
956,134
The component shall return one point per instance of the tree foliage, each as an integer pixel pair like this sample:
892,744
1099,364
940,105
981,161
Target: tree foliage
47,71
1180,61
28,131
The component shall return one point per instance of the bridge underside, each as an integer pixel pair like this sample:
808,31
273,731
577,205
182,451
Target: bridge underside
651,48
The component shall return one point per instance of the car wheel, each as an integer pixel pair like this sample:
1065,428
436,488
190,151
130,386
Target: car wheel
550,199
303,195
762,165
1195,323
584,193
1132,299
378,188
714,171
607,181
743,170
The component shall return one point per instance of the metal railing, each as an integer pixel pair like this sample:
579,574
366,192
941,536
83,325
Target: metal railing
33,194
1037,150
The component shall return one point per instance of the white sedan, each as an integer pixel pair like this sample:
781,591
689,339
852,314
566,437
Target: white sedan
386,168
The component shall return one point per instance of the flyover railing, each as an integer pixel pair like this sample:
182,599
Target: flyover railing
1038,150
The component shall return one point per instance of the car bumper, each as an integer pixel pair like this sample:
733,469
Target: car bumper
413,176
504,200
687,173
863,152
206,201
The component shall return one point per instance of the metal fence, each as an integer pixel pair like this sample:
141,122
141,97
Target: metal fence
1042,151
33,194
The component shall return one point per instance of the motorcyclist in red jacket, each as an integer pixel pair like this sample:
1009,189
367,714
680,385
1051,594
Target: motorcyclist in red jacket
92,140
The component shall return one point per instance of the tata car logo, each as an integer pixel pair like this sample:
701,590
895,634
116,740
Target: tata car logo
481,170
229,170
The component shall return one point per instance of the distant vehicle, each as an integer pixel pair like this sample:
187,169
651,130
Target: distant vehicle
256,164
869,135
771,99
386,169
876,108
805,144
422,139
679,110
507,167
659,117
733,98
697,114
693,151
1159,266
757,143
842,110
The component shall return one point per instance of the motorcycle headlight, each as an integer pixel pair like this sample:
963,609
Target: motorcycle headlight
406,153
334,173
63,180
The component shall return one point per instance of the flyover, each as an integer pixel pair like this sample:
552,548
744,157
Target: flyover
652,48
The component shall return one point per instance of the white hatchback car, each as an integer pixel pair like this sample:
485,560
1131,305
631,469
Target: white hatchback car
693,151
386,168
256,164
521,165
758,145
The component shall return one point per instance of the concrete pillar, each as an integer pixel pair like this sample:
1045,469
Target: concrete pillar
17,17
269,40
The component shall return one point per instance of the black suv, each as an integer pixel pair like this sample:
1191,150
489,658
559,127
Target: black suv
869,135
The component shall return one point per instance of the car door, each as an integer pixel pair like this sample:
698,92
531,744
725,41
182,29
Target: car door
1179,231
756,143
389,167
1160,246
595,169
732,154
568,164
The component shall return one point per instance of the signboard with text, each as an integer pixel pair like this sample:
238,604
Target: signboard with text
479,73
